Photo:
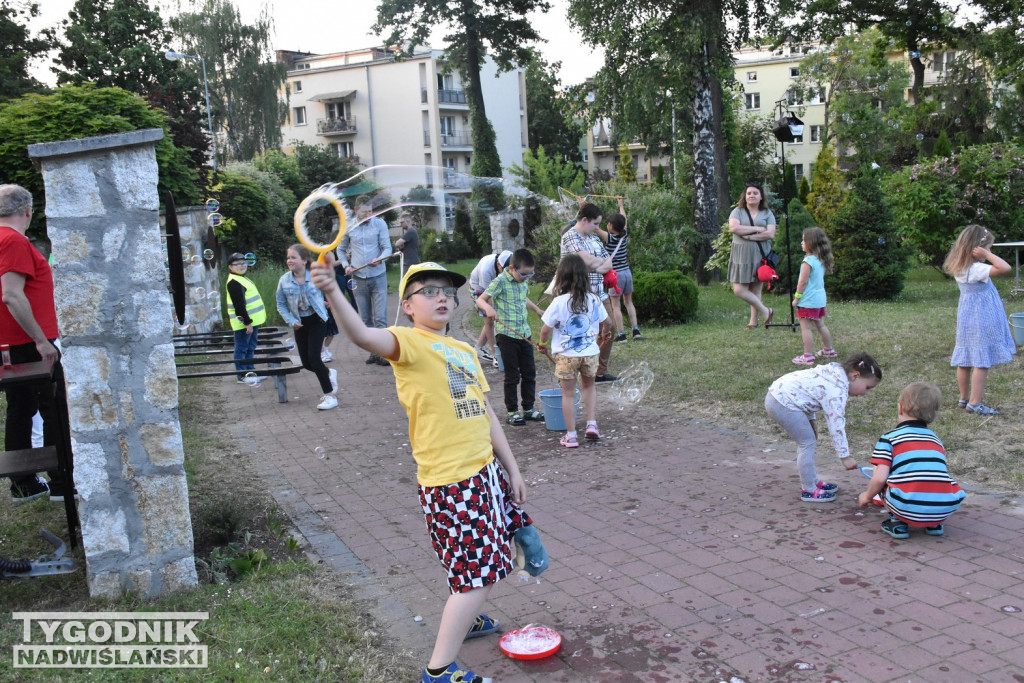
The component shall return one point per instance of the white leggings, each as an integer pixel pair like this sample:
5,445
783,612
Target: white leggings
798,426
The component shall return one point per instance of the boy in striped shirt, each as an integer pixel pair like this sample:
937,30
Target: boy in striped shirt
910,467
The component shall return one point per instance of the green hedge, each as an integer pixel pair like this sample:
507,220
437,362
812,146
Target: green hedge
666,298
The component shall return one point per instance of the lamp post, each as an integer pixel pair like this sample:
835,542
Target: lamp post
175,56
787,129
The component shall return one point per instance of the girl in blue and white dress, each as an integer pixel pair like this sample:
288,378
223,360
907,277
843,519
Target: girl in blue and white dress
983,337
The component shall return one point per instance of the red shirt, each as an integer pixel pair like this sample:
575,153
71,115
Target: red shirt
17,255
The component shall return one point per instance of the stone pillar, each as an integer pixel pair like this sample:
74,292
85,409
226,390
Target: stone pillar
507,230
114,309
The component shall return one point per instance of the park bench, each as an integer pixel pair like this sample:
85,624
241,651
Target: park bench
270,352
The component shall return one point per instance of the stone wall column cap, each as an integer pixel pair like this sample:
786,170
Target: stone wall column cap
45,150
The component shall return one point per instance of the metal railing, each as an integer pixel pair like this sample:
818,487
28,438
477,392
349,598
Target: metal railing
336,126
426,138
456,140
451,96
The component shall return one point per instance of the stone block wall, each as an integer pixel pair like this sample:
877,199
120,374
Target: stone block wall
502,229
114,309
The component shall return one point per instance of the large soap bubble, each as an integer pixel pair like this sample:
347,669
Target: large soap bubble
632,384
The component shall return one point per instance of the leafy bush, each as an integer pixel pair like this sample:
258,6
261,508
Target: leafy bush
444,249
271,232
85,111
933,201
870,260
666,298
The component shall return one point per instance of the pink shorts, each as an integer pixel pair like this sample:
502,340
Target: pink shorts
810,313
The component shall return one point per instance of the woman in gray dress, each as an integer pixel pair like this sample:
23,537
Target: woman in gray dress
751,223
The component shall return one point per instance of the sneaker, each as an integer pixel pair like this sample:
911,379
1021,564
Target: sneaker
484,354
826,353
818,495
621,337
29,490
636,334
327,356
516,419
569,441
605,378
334,380
373,359
936,530
58,490
327,402
896,528
533,415
804,359
828,486
980,409
453,674
592,433
381,360
483,626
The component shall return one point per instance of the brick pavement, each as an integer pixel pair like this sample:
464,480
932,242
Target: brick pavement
679,552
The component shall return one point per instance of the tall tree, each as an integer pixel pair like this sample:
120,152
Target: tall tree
653,47
244,77
550,122
477,28
20,47
120,43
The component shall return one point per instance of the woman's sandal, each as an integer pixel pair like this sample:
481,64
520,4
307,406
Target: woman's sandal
751,326
768,320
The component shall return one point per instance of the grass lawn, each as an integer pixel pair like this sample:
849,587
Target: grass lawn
714,370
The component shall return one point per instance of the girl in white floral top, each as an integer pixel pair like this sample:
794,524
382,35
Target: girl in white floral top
793,401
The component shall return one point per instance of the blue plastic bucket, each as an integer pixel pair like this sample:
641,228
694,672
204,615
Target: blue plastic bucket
1017,327
551,399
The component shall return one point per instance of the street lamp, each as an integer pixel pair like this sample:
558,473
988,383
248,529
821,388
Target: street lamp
175,56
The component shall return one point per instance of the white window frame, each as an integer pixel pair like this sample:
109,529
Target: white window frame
816,133
343,150
749,99
751,77
296,86
818,95
794,72
299,116
794,98
798,171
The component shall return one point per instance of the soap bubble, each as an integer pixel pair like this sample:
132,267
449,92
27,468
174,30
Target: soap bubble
919,136
942,211
212,205
186,254
198,294
182,326
914,54
956,120
974,80
208,254
213,296
890,122
319,452
214,219
196,259
897,348
909,22
935,28
250,259
863,136
252,379
881,240
352,285
632,384
289,343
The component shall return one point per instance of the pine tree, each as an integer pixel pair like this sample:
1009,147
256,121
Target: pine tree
625,169
826,194
789,186
805,189
943,147
799,219
870,259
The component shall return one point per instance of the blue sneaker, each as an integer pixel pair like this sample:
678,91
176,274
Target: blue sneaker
453,674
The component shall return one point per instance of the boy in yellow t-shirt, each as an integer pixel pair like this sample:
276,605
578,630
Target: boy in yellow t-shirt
471,503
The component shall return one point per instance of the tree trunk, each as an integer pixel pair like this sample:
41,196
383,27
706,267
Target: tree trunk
918,66
705,201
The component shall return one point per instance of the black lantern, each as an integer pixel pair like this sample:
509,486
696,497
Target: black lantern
788,128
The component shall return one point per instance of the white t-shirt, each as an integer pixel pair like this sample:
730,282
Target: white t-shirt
574,334
484,272
978,272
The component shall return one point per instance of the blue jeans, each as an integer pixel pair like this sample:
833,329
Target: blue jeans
372,299
245,349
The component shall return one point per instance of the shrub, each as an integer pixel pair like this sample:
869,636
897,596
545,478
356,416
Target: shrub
870,260
665,298
447,248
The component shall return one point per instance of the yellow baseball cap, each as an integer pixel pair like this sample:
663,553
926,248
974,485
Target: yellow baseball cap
428,267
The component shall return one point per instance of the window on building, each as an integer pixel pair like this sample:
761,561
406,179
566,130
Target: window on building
445,82
794,71
798,171
586,156
338,110
937,61
449,163
798,140
810,173
343,149
816,133
751,77
794,97
818,95
298,116
752,100
297,86
447,125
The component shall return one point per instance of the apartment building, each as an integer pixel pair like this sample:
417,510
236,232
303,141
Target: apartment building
602,155
367,106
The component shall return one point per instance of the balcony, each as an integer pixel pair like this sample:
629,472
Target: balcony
336,126
451,97
449,140
456,181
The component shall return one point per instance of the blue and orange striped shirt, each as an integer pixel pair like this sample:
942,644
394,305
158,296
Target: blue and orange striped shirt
919,490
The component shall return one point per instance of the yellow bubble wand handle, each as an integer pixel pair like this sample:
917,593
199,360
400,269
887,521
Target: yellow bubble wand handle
302,232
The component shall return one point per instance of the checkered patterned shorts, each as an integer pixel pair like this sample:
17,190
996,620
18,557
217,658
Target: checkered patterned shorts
471,524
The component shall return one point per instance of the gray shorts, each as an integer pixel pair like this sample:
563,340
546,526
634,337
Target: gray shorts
625,281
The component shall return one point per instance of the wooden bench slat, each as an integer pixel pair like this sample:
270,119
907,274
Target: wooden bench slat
28,461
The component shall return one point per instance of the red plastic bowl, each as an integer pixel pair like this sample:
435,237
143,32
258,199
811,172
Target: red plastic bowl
530,642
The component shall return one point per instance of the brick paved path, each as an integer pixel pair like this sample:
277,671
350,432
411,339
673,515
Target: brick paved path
679,553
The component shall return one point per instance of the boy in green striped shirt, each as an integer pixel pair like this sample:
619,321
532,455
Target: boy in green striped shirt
506,303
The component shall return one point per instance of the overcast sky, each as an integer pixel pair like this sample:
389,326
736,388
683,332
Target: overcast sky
323,26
